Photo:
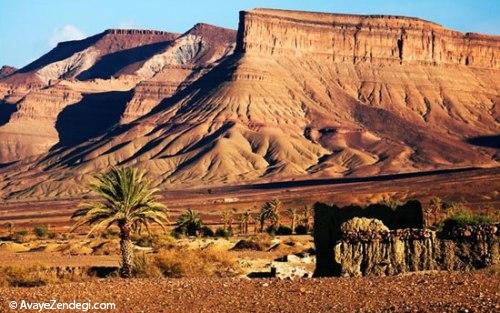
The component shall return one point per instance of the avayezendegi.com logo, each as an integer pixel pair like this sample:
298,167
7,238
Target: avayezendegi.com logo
55,305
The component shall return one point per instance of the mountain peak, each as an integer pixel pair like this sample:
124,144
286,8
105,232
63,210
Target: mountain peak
7,70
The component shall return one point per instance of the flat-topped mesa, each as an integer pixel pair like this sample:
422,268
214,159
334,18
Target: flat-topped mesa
363,38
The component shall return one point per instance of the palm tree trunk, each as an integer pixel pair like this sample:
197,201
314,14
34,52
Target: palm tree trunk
126,249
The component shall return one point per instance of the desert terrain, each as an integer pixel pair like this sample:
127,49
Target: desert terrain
476,292
355,112
478,188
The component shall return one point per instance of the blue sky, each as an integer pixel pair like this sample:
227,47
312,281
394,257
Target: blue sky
30,28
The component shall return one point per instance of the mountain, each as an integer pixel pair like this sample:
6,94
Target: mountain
304,95
6,70
81,88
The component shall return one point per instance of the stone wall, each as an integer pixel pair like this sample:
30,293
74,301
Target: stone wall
343,252
410,250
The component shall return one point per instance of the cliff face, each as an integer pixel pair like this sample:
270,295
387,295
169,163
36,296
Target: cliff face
305,95
372,39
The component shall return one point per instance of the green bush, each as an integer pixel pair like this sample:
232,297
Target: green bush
221,232
301,230
144,241
20,236
283,230
41,231
271,230
464,218
207,231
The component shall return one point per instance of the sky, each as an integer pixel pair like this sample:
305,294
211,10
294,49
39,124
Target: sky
30,28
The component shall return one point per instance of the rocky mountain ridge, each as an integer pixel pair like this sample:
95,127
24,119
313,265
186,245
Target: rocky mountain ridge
304,95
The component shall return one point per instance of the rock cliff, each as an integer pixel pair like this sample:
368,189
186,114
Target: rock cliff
356,38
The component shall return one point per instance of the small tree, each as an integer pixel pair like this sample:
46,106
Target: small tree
189,223
270,212
227,219
306,217
292,212
433,209
10,227
41,231
126,199
245,220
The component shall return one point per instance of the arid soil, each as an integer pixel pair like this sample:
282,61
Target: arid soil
442,292
477,188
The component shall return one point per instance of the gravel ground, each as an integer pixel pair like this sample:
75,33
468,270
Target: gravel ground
439,292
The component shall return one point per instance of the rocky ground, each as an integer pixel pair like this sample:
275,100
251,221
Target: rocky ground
434,292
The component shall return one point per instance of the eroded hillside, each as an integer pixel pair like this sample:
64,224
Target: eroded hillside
304,95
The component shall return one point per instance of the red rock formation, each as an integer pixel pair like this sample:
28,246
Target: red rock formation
355,38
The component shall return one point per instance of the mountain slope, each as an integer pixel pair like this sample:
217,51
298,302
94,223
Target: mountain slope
304,95
99,81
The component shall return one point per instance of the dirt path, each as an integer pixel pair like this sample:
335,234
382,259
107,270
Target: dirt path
443,292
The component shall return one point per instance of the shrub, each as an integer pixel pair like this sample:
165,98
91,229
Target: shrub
144,267
20,236
224,233
301,230
195,263
13,276
41,231
283,230
258,242
110,233
207,231
271,230
464,218
144,241
245,244
363,224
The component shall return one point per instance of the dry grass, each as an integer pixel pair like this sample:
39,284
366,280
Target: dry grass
259,242
209,262
15,276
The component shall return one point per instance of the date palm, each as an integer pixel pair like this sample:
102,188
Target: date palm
245,220
270,212
293,217
126,199
189,223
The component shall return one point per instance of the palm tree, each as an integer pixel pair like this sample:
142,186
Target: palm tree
270,211
227,219
128,200
245,220
434,208
189,223
306,217
293,217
